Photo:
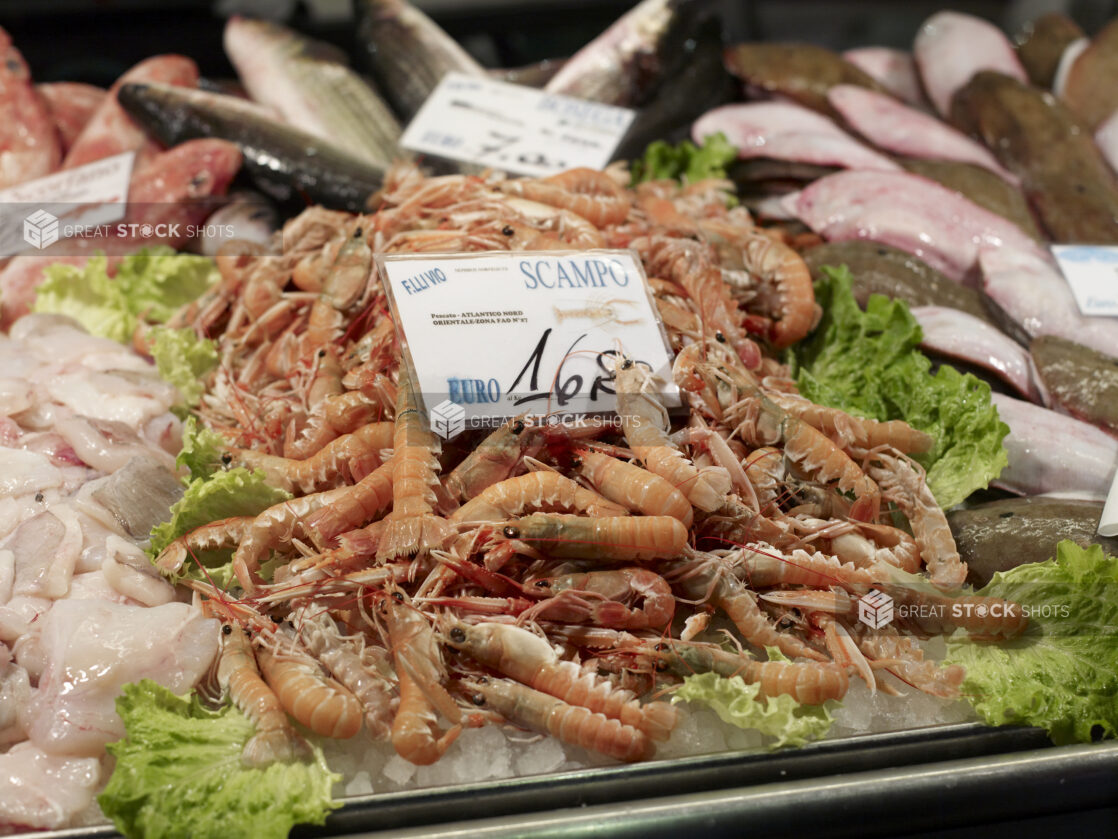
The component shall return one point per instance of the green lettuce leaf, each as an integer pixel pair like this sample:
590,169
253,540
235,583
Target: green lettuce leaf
149,284
182,359
237,492
89,296
867,363
202,449
685,160
1062,673
736,702
179,774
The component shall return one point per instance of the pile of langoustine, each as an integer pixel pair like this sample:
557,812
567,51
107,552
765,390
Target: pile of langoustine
551,576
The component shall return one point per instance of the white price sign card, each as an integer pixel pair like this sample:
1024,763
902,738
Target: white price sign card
1092,273
497,335
514,128
38,213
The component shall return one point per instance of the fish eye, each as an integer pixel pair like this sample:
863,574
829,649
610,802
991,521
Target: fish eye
226,629
457,634
542,584
511,532
398,596
478,699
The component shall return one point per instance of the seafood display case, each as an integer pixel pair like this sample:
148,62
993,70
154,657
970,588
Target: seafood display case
958,779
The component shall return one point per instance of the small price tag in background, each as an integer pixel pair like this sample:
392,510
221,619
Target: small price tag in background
493,336
1092,273
518,129
37,213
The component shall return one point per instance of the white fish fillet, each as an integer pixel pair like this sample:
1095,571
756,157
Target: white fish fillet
908,212
889,125
783,131
961,335
951,47
1051,452
45,791
893,69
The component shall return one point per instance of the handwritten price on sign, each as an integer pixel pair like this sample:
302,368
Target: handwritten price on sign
569,388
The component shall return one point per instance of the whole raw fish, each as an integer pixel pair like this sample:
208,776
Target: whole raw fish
624,64
408,53
897,128
1079,380
1051,452
1041,42
951,47
893,69
71,105
958,335
111,131
166,198
285,71
279,156
29,145
1090,89
908,212
981,186
784,131
800,72
1003,534
1062,171
881,269
699,84
248,216
1031,291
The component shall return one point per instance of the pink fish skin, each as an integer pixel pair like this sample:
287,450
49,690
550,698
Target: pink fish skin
1051,452
908,212
111,131
894,127
958,334
71,104
783,131
894,70
951,47
170,194
29,146
1031,291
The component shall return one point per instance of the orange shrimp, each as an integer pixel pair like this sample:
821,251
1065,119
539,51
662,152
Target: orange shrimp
811,683
542,491
237,673
416,736
532,661
570,723
644,422
412,526
637,489
308,694
786,289
351,507
607,539
351,456
589,193
902,656
851,431
604,598
904,483
225,533
495,459
333,415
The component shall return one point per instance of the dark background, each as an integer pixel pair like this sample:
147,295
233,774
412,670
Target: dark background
96,40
